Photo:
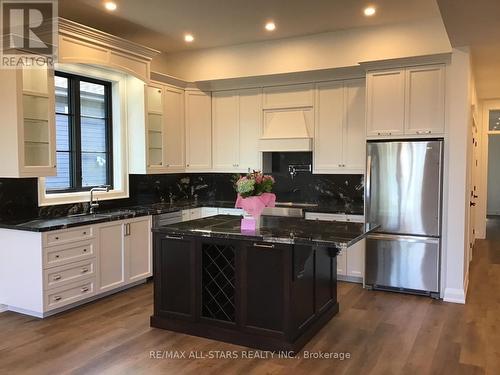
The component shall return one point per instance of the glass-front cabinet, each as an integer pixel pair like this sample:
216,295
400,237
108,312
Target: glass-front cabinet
154,126
28,123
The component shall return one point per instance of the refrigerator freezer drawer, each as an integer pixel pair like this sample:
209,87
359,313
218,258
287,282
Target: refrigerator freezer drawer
406,262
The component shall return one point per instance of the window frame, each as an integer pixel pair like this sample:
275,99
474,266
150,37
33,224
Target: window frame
74,123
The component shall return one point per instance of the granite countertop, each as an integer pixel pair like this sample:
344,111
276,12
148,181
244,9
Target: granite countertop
274,229
43,224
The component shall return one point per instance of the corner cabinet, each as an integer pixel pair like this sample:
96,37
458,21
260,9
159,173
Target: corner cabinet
156,127
339,142
236,128
27,145
406,102
198,121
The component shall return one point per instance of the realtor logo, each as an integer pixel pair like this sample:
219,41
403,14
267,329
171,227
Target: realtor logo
29,33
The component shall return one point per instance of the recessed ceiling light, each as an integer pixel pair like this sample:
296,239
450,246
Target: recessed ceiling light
270,26
369,11
109,5
188,38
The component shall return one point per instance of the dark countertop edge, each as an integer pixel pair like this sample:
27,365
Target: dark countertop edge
340,244
140,210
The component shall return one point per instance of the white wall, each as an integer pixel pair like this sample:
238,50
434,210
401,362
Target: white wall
314,52
456,176
493,194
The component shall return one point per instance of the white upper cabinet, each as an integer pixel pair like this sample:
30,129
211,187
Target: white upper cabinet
156,127
27,145
406,101
340,141
250,122
328,132
226,129
174,129
354,130
236,121
385,102
425,100
198,130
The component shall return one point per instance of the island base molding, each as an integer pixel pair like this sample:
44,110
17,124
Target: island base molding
248,339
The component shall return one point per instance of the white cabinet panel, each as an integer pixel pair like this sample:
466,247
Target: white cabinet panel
226,137
198,130
354,149
250,129
174,129
291,96
342,263
111,256
138,249
356,260
385,102
425,100
329,126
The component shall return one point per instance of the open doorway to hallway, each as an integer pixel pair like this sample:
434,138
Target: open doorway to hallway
493,180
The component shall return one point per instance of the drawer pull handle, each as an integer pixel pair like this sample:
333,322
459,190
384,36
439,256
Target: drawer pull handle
57,256
85,270
264,246
85,232
57,298
56,238
56,277
84,250
174,237
85,290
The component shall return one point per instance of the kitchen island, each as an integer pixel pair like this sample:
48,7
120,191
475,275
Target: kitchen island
271,289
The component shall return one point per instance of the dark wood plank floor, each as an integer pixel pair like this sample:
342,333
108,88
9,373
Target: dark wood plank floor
385,333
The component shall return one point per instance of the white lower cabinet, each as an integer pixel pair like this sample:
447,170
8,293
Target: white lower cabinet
44,273
350,261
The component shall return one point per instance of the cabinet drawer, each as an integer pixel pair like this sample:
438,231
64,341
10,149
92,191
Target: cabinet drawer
67,235
70,293
73,272
59,255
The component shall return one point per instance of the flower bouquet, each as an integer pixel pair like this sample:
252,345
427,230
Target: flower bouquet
254,194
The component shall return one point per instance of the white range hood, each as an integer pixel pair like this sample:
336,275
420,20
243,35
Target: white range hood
287,130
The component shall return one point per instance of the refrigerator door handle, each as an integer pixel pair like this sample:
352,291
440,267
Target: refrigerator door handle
368,184
399,237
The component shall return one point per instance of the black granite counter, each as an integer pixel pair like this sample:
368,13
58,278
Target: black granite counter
274,229
54,223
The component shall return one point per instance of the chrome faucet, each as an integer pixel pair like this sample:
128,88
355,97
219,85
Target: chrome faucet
93,205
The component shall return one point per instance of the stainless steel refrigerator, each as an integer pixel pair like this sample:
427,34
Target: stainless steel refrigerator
403,191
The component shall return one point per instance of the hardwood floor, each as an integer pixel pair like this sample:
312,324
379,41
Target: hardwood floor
384,333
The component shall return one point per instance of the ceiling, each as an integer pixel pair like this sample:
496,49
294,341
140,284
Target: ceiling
475,23
161,24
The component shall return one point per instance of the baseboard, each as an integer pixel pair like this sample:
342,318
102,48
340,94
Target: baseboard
3,308
454,295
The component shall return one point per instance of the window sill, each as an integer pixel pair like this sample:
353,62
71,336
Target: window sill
79,197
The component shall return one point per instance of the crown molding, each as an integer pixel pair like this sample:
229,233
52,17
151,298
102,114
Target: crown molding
440,58
88,34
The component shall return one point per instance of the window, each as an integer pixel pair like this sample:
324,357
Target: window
83,134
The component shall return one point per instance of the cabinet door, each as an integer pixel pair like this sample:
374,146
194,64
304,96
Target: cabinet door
174,129
111,252
264,287
329,127
250,129
226,137
198,131
138,249
425,100
356,259
37,135
342,263
174,269
354,148
155,129
385,102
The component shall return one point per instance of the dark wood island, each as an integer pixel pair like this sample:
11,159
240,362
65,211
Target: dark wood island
272,289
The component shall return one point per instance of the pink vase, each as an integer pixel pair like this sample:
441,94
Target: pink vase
253,207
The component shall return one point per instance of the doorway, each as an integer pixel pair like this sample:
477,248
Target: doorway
493,173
